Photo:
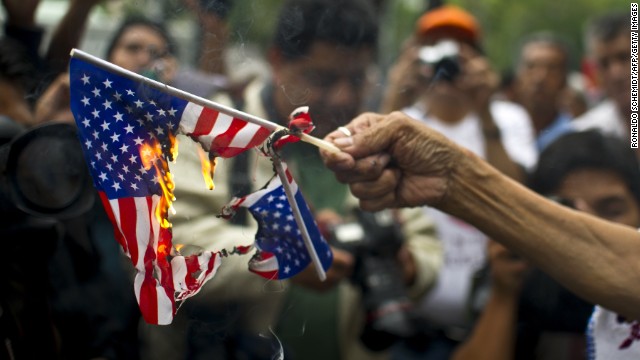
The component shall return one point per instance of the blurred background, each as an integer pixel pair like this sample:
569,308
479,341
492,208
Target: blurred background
503,22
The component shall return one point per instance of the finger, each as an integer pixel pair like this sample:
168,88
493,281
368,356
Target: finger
384,184
385,202
366,169
337,162
372,133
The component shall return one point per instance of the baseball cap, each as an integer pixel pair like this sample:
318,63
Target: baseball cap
449,21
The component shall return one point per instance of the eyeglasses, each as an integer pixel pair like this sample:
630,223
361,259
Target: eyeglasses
153,51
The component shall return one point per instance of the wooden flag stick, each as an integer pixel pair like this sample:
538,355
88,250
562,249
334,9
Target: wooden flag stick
271,126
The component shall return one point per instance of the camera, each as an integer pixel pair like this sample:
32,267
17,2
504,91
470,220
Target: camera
43,172
442,58
374,239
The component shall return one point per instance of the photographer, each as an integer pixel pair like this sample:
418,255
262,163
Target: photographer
319,57
66,292
590,172
454,94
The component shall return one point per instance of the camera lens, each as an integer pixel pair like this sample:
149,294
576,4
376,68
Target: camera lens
442,58
47,172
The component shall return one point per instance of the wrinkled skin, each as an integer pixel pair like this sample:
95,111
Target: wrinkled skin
421,170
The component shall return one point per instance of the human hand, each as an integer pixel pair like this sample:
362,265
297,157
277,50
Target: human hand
341,268
163,69
404,79
21,12
55,104
507,269
477,79
407,264
393,161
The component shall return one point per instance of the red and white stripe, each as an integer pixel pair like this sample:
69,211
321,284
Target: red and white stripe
266,265
224,135
250,199
184,269
158,283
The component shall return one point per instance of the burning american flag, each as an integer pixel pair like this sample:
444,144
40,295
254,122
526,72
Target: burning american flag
127,130
281,249
127,125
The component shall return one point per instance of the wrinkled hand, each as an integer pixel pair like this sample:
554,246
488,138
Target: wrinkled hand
393,161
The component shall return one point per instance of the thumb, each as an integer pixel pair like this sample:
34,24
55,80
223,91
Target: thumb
371,134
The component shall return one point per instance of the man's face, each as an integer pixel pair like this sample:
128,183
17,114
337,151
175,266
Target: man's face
541,74
613,63
602,193
330,80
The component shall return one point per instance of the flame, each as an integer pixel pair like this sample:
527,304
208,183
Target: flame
152,156
208,168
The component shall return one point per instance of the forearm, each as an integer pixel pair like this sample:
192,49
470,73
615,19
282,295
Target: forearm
494,333
68,33
596,259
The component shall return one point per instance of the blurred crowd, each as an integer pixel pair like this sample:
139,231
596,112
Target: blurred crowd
410,284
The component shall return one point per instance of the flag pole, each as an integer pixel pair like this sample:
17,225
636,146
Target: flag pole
297,215
269,125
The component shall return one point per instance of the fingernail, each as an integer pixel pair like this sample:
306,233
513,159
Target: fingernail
343,142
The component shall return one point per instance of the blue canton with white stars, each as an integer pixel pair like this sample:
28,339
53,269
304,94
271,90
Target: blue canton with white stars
115,117
279,234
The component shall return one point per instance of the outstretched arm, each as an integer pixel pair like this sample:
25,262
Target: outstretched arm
394,161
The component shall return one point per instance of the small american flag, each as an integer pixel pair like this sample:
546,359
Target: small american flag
281,249
121,124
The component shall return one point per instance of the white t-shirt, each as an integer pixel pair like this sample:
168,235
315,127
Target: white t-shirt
464,246
604,117
518,136
609,337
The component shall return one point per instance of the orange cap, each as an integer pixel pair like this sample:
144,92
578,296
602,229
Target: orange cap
449,20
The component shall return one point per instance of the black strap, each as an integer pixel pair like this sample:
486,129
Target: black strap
240,185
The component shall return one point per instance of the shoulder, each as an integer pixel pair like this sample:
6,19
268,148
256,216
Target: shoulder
506,110
414,111
511,117
603,116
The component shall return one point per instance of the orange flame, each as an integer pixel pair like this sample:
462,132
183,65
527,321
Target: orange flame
152,156
208,168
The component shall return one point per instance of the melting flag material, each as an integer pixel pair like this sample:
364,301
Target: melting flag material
281,249
300,122
127,131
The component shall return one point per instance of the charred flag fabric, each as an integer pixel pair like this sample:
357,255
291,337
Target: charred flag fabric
126,129
281,249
